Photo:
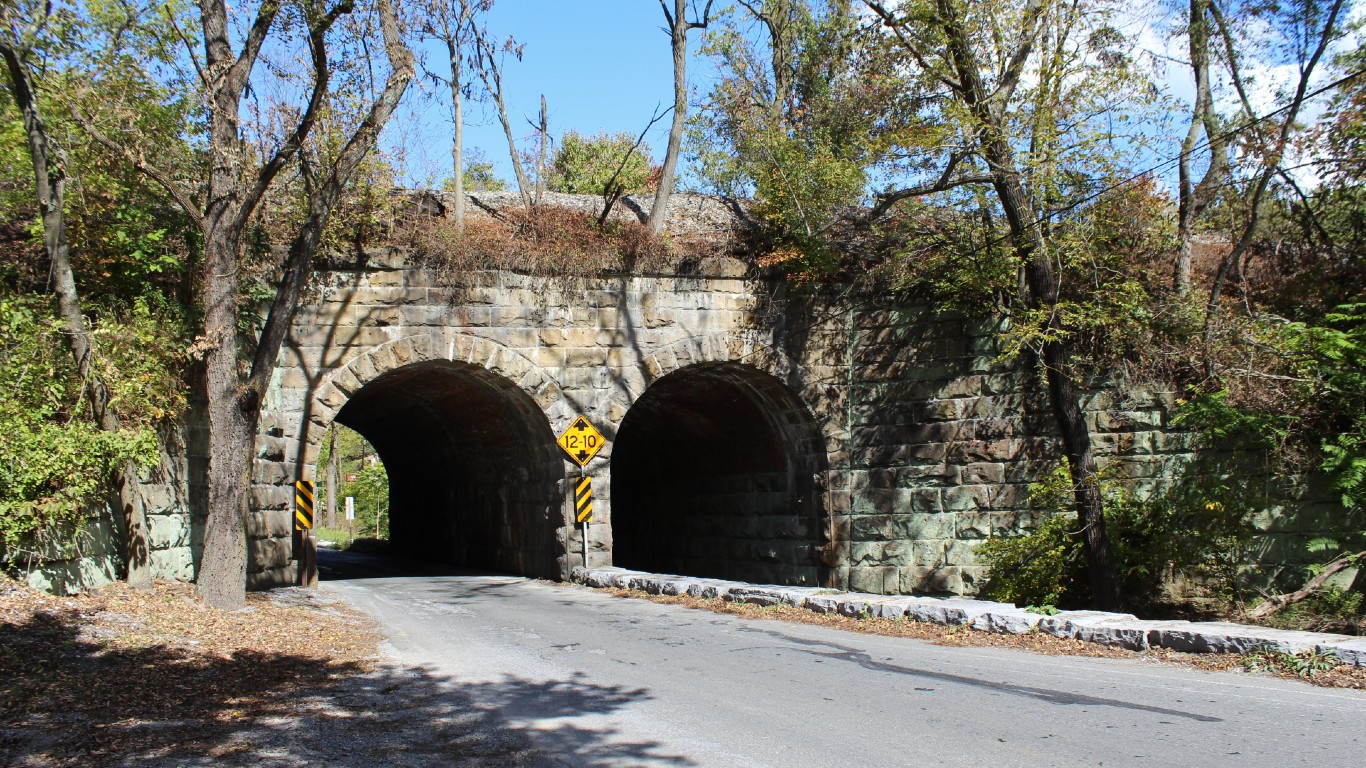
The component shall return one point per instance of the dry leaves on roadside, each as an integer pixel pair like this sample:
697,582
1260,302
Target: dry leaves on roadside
81,677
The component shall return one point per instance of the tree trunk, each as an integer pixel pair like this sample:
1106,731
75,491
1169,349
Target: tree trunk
223,567
1042,284
678,42
234,404
1274,603
457,153
50,184
543,132
332,478
1194,197
493,83
1062,388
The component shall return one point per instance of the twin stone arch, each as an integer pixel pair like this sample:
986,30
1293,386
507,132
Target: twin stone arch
496,477
515,367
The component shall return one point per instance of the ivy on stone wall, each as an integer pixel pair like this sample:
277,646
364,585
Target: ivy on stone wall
56,463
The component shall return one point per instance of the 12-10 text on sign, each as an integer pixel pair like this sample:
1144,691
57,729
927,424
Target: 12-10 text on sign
581,442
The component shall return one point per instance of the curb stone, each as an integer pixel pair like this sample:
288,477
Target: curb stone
1122,630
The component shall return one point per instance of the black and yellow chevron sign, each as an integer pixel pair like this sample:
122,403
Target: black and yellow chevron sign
303,505
583,500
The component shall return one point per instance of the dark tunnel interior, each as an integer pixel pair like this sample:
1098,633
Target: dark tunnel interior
715,473
473,467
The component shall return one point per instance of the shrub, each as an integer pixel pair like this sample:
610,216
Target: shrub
56,463
547,240
588,164
1197,530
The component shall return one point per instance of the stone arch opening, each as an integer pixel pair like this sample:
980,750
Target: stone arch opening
716,471
473,466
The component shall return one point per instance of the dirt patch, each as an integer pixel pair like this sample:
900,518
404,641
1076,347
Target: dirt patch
127,677
1339,676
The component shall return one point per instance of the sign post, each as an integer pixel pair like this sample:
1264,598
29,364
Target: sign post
581,442
583,509
306,544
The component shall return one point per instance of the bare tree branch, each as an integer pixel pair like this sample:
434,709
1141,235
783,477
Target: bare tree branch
945,182
323,200
1271,162
189,49
317,43
1274,603
138,160
1010,77
612,190
237,75
890,22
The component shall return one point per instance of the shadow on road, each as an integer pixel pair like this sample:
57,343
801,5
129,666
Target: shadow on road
341,565
67,697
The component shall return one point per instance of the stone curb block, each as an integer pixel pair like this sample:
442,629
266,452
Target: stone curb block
1223,637
771,595
1007,621
823,603
1352,651
1122,630
1095,627
952,611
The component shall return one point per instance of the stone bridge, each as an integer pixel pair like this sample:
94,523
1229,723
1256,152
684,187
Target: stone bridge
821,438
752,435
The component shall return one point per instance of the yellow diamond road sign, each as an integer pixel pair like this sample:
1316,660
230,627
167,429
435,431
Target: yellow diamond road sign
581,441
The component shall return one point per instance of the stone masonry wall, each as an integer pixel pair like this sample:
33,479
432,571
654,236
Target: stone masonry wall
921,443
175,534
930,442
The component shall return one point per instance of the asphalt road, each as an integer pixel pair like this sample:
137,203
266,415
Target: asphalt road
592,680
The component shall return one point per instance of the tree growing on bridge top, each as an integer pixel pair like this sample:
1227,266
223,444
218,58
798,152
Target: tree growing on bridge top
603,164
809,108
222,204
489,57
678,28
1015,115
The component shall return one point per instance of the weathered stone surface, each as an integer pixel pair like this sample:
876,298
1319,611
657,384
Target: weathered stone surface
168,531
174,564
919,432
1006,621
772,595
1096,627
1222,637
950,611
1350,651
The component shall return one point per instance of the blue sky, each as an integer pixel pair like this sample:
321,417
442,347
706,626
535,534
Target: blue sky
603,65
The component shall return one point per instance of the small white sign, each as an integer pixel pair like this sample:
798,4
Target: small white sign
350,507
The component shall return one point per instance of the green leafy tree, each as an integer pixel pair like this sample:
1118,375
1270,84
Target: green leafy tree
58,462
240,166
362,477
1037,143
599,165
479,175
36,502
804,117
